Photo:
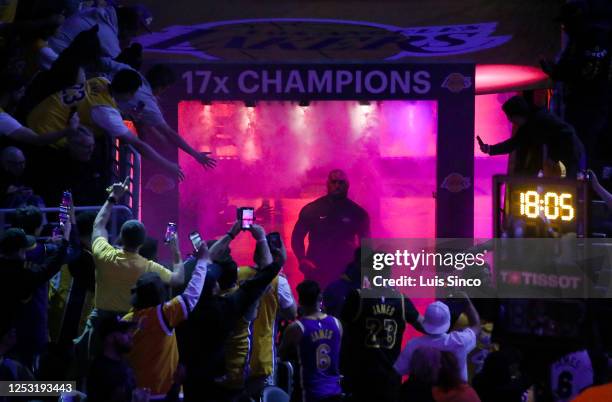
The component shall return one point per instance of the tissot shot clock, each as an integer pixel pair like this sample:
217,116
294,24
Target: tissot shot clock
539,207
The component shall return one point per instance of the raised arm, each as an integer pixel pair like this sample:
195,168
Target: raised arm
262,250
504,147
178,268
116,192
472,315
38,274
250,290
111,121
203,158
218,249
600,190
192,292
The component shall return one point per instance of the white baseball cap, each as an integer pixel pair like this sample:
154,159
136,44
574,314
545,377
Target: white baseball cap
437,318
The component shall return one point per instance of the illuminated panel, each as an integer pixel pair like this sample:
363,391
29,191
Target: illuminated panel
275,157
507,77
493,126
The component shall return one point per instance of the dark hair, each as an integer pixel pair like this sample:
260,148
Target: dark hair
29,218
516,106
149,249
133,234
449,376
84,222
229,274
126,81
308,292
160,75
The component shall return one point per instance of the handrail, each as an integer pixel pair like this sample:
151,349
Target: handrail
126,161
114,229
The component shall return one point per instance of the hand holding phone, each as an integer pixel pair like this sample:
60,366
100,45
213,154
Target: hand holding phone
196,240
170,232
246,216
483,147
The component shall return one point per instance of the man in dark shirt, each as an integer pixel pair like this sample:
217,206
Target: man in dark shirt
209,326
539,133
71,168
374,321
110,377
18,280
334,225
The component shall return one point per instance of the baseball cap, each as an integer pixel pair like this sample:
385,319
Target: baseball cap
437,318
112,324
14,239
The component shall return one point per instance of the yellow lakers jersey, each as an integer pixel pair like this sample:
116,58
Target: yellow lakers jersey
238,349
53,113
261,361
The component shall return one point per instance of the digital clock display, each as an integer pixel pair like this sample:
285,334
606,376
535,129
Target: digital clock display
539,206
551,205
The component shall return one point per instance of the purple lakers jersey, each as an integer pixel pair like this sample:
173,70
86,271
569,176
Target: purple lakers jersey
319,354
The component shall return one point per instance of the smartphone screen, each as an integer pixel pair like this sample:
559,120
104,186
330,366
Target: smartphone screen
247,217
196,240
170,231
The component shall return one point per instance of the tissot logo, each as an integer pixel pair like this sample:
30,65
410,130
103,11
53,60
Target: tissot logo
320,39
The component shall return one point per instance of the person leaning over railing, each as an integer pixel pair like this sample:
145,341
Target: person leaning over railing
118,269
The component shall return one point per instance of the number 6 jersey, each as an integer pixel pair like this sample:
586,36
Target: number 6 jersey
319,354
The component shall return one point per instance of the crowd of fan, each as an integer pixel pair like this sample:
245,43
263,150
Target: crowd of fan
125,328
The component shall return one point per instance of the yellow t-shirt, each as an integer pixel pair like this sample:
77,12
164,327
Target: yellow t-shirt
261,362
117,272
237,350
53,113
155,356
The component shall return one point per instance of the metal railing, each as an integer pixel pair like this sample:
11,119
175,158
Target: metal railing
119,214
125,162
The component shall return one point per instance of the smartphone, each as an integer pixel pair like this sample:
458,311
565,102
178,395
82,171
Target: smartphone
246,215
170,231
64,213
196,240
274,240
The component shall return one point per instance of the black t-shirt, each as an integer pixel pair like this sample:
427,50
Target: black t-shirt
334,227
110,380
373,330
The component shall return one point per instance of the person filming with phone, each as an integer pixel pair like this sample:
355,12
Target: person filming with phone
541,139
334,225
117,270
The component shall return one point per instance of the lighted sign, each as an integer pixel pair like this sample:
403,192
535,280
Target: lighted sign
551,204
540,207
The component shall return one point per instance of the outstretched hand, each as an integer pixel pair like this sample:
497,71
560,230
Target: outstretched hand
484,148
206,160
